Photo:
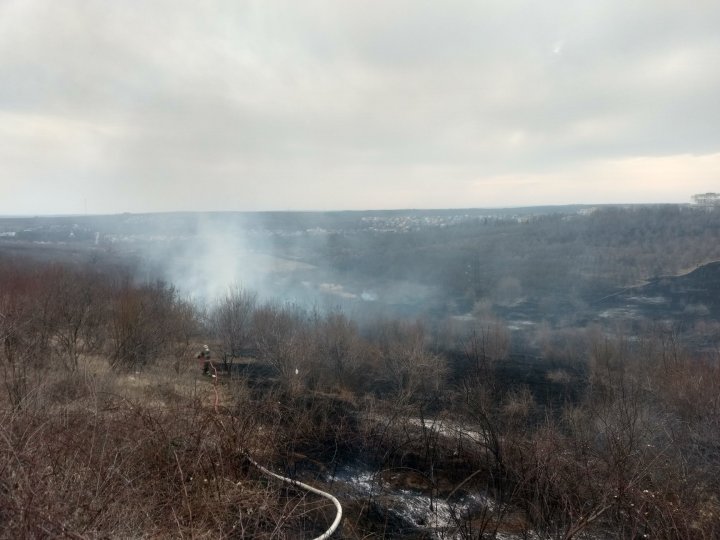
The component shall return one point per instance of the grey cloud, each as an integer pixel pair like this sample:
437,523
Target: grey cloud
246,98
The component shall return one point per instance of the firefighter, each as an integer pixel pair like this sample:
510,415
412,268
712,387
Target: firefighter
204,355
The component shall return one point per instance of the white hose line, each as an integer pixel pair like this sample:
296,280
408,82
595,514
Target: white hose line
338,516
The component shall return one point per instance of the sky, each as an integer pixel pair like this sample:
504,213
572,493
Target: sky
179,105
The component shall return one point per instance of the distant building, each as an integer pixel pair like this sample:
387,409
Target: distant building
707,200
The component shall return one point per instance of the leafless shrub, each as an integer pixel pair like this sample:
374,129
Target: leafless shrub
25,330
284,340
340,348
79,315
411,370
232,321
145,323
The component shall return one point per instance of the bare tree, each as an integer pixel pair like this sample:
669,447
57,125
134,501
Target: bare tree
140,324
283,340
232,320
25,329
411,369
339,345
79,316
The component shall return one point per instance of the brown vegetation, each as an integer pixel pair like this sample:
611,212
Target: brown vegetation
109,430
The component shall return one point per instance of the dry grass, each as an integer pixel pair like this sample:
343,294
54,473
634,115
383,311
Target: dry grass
104,454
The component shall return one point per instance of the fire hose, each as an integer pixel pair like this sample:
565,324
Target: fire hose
338,508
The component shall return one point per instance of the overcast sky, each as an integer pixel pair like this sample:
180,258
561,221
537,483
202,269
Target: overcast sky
259,105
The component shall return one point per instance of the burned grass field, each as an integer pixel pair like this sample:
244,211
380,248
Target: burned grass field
466,425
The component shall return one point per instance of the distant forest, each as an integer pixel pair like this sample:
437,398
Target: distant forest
560,256
609,247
